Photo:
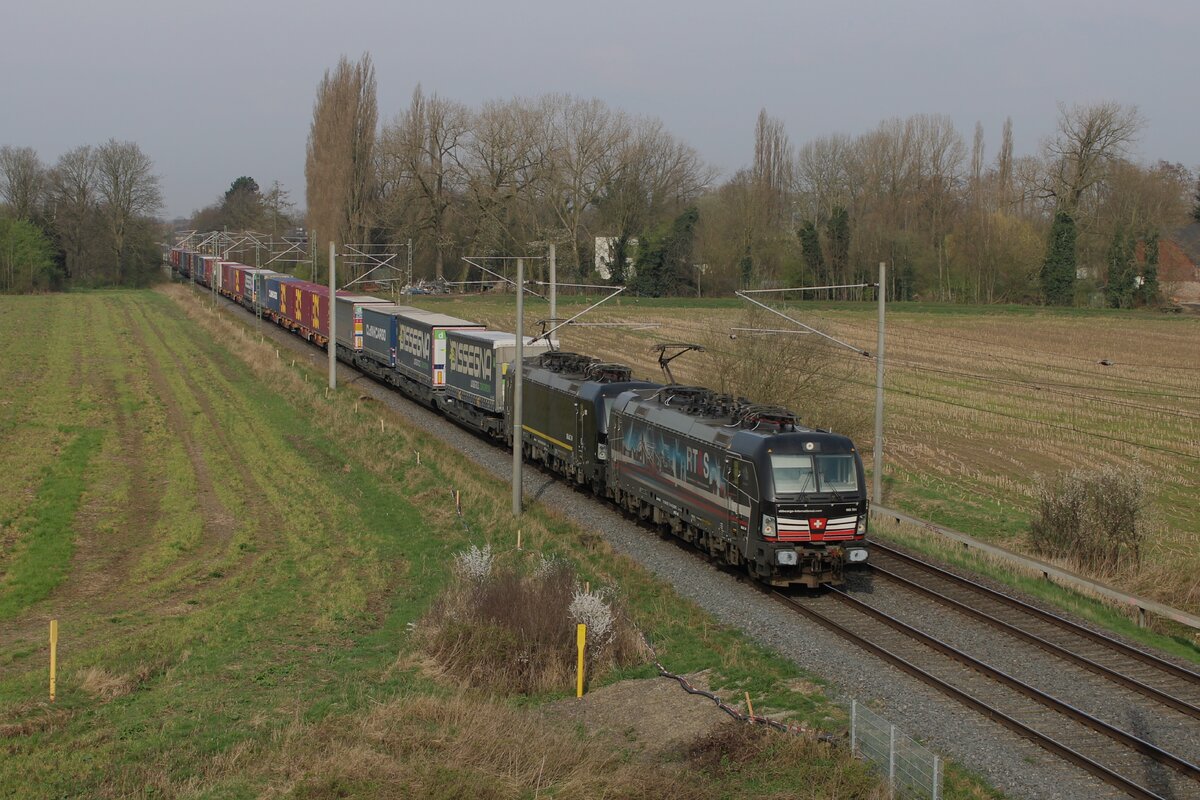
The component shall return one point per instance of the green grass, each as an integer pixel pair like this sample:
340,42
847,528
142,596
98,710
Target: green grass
47,527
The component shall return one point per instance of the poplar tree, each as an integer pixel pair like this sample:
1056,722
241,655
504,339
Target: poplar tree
339,169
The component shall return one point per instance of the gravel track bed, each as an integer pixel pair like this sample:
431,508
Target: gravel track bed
1011,764
1120,707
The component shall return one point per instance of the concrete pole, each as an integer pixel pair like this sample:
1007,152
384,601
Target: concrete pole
332,346
877,471
408,273
553,284
518,380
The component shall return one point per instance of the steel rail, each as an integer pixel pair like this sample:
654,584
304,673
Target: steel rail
1130,741
1021,729
1050,647
1066,624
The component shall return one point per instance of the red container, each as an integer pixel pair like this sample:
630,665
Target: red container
307,306
233,279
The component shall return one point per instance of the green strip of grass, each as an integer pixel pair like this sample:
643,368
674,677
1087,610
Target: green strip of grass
48,527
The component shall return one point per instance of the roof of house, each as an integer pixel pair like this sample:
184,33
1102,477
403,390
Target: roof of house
1188,239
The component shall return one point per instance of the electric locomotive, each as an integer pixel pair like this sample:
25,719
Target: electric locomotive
745,483
565,400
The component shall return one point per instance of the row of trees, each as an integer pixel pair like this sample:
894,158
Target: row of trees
954,222
88,219
498,180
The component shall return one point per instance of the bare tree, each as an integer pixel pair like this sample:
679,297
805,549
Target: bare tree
339,169
1089,140
128,189
71,189
421,153
21,179
587,138
503,162
822,175
656,177
278,208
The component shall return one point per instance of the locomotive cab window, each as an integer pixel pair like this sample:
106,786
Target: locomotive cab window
837,473
793,474
799,474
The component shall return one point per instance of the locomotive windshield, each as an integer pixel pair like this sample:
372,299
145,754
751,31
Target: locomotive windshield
798,474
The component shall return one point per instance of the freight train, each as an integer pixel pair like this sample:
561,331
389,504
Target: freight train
745,483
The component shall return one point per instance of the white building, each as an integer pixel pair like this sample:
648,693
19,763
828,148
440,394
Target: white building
604,256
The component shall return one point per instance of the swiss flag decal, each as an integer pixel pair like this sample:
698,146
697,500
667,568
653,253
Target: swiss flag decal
817,523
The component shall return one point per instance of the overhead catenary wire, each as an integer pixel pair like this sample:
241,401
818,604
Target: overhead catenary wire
991,411
952,343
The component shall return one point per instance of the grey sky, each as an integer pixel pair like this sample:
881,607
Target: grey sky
216,89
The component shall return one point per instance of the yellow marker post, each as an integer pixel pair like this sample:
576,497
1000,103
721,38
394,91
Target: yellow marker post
53,655
581,642
749,707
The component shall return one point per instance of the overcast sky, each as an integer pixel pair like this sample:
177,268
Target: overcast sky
214,89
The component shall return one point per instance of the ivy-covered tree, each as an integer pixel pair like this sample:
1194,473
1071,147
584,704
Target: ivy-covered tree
1121,286
664,257
1058,270
810,249
1148,291
837,234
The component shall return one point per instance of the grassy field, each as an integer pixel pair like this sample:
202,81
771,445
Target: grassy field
980,402
236,559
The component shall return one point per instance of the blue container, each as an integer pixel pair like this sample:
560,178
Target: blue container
380,332
274,295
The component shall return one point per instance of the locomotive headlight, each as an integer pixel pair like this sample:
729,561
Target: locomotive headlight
862,525
768,525
786,558
602,452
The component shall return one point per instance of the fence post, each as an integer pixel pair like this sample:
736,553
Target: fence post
937,777
891,760
853,727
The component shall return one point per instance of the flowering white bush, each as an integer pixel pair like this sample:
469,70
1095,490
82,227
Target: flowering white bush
474,563
591,609
548,564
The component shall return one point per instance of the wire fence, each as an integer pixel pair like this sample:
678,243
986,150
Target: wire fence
912,770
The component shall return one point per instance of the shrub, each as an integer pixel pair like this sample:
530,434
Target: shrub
513,632
1092,517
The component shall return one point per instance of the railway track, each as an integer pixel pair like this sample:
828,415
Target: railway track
1121,759
1155,678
